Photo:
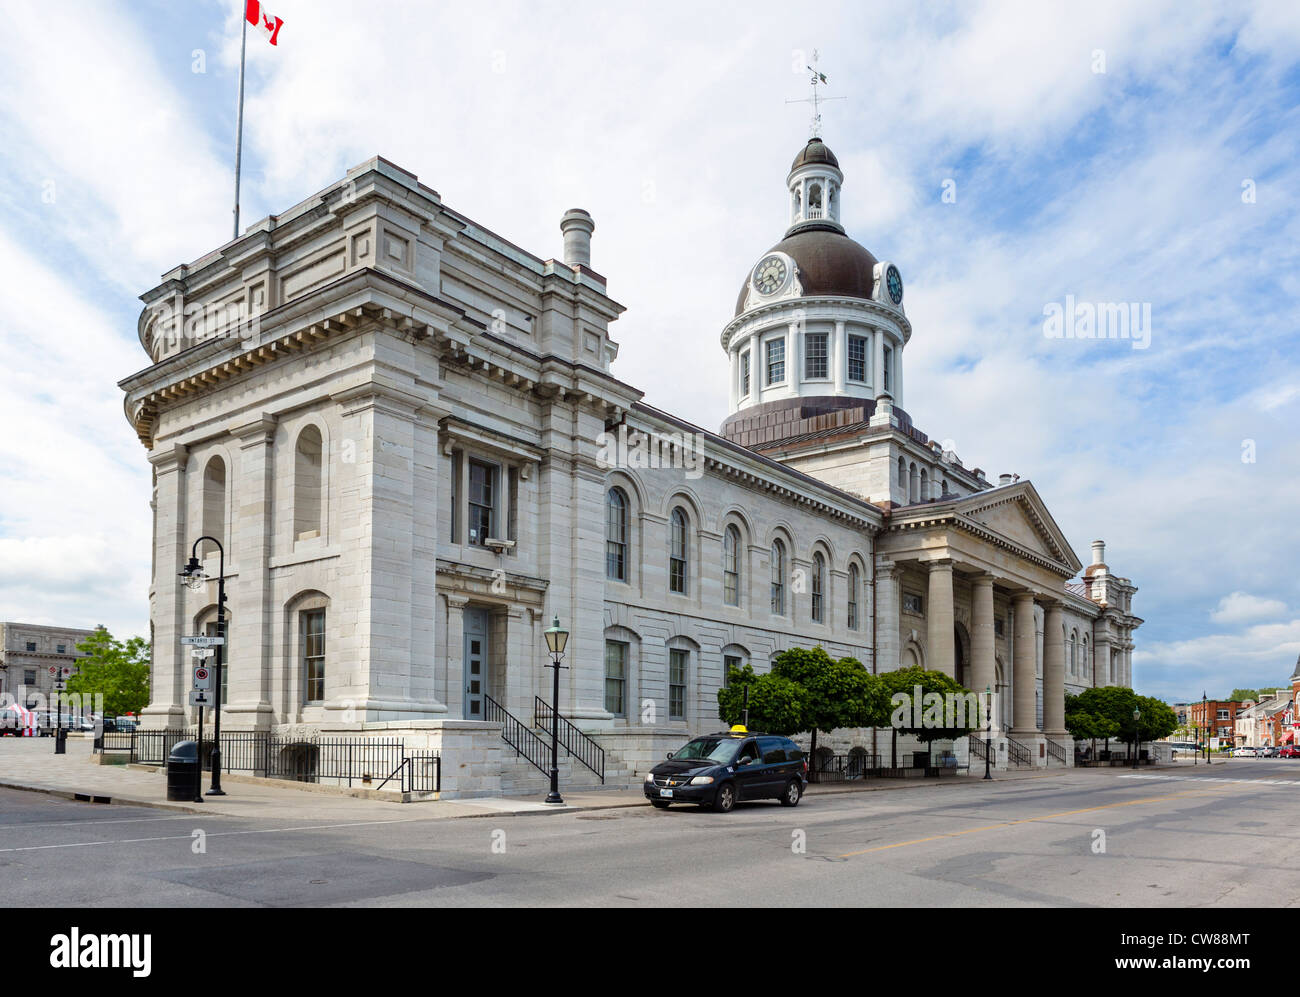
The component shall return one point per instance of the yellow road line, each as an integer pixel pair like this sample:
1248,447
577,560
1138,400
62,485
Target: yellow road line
1028,820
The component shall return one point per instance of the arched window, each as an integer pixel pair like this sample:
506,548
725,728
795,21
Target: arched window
677,552
1074,654
818,588
616,535
778,578
902,475
307,461
214,499
853,597
731,566
925,485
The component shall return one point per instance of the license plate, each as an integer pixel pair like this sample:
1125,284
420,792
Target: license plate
665,792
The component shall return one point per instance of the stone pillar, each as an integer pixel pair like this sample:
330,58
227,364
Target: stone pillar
982,655
168,685
792,365
250,671
1053,671
839,358
939,618
734,359
887,649
757,368
453,684
1100,655
1024,666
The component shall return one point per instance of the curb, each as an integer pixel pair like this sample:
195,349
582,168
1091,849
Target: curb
69,794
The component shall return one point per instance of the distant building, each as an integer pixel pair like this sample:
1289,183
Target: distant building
1218,716
31,656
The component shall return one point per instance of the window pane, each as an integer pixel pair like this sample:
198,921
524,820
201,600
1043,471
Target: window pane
616,535
775,361
857,358
677,556
814,355
615,677
744,374
677,661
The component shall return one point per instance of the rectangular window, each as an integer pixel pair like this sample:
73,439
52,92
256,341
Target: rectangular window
29,676
814,355
1223,714
744,374
857,358
616,678
677,661
997,627
888,362
31,645
912,603
775,361
313,655
482,501
61,648
853,604
729,662
456,491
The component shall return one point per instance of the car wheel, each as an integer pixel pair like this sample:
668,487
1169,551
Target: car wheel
793,794
659,804
725,798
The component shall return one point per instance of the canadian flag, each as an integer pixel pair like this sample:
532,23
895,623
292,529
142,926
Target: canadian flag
258,16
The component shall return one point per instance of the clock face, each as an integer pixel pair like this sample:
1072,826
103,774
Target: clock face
894,284
769,274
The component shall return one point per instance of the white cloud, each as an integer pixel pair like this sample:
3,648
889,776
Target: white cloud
1242,607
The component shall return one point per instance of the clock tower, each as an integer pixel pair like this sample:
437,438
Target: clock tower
819,325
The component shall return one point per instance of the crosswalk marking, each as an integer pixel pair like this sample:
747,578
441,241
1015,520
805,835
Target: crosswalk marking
1214,778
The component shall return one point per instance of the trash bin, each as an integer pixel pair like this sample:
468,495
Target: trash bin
183,772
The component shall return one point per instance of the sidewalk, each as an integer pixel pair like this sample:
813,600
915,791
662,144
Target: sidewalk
30,764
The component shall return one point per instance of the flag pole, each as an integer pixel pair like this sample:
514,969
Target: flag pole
239,119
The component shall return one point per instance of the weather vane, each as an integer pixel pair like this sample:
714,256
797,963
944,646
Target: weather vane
817,79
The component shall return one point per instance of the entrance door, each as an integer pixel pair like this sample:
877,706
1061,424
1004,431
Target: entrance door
475,660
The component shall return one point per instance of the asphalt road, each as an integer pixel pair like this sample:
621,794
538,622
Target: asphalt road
1224,836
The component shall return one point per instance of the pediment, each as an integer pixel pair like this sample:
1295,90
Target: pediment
1019,515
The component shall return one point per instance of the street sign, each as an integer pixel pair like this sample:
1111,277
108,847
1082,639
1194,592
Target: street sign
202,677
200,697
204,641
201,652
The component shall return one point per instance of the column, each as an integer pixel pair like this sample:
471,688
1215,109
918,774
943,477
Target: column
887,650
792,371
840,357
1100,655
734,357
1053,671
167,683
757,368
453,687
982,654
939,618
1024,721
250,670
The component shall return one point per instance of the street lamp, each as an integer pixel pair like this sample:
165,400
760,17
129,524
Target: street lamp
194,580
556,638
1205,722
988,728
1137,715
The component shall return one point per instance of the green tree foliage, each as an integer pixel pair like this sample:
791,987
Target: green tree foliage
1241,695
117,670
807,691
1107,712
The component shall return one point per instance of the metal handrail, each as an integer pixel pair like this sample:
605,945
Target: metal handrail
1056,750
585,749
1017,753
518,735
978,746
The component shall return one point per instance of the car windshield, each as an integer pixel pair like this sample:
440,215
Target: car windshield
719,750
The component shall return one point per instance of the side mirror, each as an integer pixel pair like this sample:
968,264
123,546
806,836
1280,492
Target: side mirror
669,755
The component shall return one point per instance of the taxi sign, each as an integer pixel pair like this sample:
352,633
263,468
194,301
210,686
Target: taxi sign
738,729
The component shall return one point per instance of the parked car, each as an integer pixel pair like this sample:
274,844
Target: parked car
1243,752
1268,751
716,770
1288,751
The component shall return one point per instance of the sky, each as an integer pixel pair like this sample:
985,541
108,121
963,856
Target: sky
1003,155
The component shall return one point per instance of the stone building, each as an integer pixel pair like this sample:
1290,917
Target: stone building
408,435
31,656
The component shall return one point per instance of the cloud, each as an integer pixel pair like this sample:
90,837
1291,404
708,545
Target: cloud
1241,607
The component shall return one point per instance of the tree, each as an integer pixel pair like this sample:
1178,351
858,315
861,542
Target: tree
805,692
904,714
1241,695
116,670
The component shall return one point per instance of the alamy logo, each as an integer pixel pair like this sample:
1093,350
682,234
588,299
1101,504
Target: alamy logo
1099,320
93,951
652,451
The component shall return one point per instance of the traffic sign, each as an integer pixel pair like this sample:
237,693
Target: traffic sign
201,652
200,697
204,641
202,677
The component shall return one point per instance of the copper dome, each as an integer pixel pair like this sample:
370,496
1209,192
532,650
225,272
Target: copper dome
816,151
830,263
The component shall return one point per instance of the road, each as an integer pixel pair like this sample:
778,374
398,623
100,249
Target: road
1224,836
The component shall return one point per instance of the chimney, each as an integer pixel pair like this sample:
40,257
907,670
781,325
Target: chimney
577,227
1099,552
1004,479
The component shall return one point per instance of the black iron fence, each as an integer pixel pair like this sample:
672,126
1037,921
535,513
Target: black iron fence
309,758
843,768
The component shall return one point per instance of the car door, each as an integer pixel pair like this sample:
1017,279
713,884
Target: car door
749,771
775,763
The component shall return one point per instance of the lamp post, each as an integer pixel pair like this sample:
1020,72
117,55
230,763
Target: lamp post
195,579
1205,721
556,638
1137,737
988,729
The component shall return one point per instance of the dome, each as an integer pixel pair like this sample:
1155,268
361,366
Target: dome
830,263
816,151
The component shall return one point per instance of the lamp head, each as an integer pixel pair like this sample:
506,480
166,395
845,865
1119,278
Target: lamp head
556,637
193,577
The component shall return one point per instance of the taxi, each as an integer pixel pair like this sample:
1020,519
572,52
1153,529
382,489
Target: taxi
717,770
